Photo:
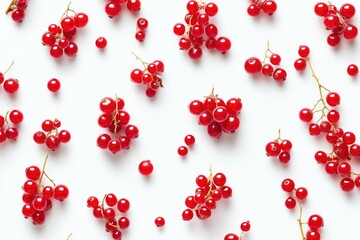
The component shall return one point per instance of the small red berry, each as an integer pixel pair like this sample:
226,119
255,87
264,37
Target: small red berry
146,167
101,42
53,85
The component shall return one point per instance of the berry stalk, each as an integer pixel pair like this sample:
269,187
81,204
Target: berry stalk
68,9
9,8
12,63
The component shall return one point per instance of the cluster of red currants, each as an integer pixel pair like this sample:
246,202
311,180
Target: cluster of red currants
244,226
7,131
343,145
113,7
106,210
38,197
297,195
150,76
279,148
217,115
60,39
115,119
253,65
141,25
337,21
200,30
210,190
189,141
50,134
267,6
17,9
10,85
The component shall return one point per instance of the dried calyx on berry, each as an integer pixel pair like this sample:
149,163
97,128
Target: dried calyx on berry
337,21
150,76
38,197
198,30
9,125
210,190
17,9
279,148
216,114
50,134
343,143
107,209
296,197
60,38
116,120
268,67
267,6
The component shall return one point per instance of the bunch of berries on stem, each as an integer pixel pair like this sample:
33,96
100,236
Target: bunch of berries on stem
116,120
244,226
113,7
38,197
10,85
337,21
9,125
50,134
17,9
210,190
198,30
150,76
297,196
253,65
106,209
60,38
267,6
343,146
216,114
279,148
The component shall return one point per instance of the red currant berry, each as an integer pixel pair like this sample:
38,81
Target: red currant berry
321,9
219,179
252,65
179,29
71,49
81,19
245,226
347,10
223,44
11,85
333,39
284,157
352,70
53,85
67,24
33,173
16,116
61,192
321,157
38,217
211,9
146,167
214,129
350,31
253,10
269,7
279,74
288,185
315,222
300,64
182,151
273,149
306,115
231,236
187,215
159,221
52,142
123,205
189,140
275,59
290,202
133,5
101,42
140,35
333,116
123,223
301,193
347,184
312,234
267,69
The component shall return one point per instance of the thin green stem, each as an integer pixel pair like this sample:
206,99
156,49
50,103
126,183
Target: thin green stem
66,11
69,236
300,220
12,63
42,173
142,62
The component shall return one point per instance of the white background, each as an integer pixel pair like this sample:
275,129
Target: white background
164,121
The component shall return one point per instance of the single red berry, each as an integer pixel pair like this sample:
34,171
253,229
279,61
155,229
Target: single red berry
321,9
352,70
12,133
67,24
61,192
284,157
53,85
273,149
52,142
33,173
347,10
11,85
290,202
267,69
38,217
123,223
112,8
159,221
81,19
304,51
71,49
179,29
223,44
133,5
347,184
92,202
288,185
269,7
252,65
189,140
231,236
101,42
350,31
140,35
187,215
16,116
219,179
146,167
253,10
123,205
333,39
245,226
275,59
214,129
182,151
301,193
306,115
312,234
211,9
333,116
279,74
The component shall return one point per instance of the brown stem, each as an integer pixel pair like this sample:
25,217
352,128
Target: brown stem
210,178
279,135
8,9
114,117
